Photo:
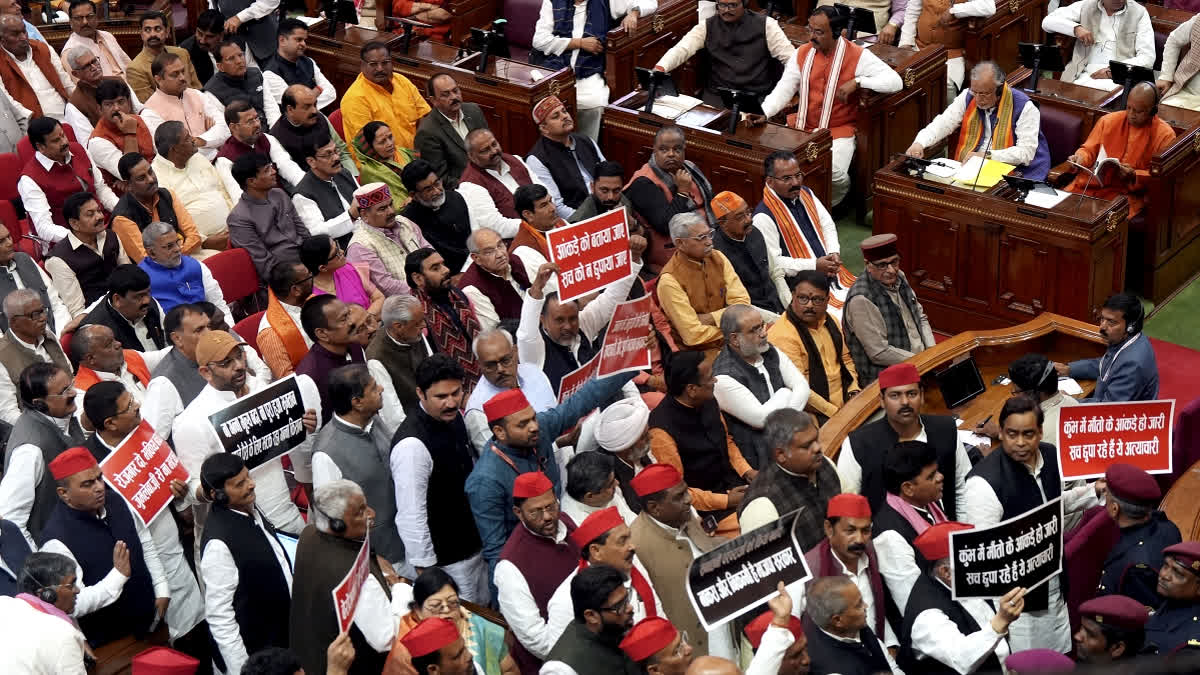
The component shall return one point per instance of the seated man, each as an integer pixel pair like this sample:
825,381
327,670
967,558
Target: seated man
233,80
940,23
84,33
813,341
82,109
489,181
326,321
139,73
174,100
442,138
495,282
829,105
325,196
1132,566
665,186
58,170
606,194
696,285
117,130
201,46
884,323
840,638
99,358
176,380
562,159
144,202
498,357
81,262
18,270
301,120
27,340
31,72
746,250
184,172
1104,31
740,47
134,317
1111,628
1177,83
442,213
399,346
1168,631
382,240
623,433
281,339
1132,378
378,94
1020,142
289,66
1133,136
176,279
246,136
264,221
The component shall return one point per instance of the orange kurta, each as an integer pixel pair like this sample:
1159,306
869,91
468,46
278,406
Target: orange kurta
1134,146
843,115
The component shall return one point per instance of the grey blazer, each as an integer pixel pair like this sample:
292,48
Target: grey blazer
439,144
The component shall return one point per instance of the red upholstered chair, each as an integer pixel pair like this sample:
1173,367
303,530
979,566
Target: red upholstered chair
18,228
1084,551
1185,442
336,120
247,328
10,172
522,16
234,272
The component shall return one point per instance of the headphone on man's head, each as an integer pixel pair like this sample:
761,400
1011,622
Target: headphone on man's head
1133,324
336,525
219,496
47,594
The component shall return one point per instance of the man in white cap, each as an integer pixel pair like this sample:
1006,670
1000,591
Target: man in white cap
623,431
382,240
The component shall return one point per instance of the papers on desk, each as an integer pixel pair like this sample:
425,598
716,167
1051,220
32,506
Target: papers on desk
1045,197
672,107
310,20
1069,386
991,173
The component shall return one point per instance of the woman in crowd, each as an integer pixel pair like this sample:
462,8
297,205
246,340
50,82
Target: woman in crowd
326,261
381,161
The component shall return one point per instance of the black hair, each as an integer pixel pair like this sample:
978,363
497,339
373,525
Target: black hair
588,472
372,46
609,169
813,277
432,580
346,384
1034,373
168,135
527,195
287,99
837,21
233,111
73,205
312,144
79,3
436,368
414,172
1134,639
683,368
40,129
208,308
591,587
371,129
211,20
151,16
282,278
163,60
100,401
127,162
312,314
126,279
34,381
314,251
414,262
429,83
422,663
290,25
174,318
80,345
272,661
905,462
218,468
247,166
777,156
110,89
1019,405
1130,307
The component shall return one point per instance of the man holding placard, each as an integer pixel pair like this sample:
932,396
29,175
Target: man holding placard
1133,563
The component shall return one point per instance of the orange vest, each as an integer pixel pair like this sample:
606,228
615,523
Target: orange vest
19,88
928,32
843,115
659,246
86,377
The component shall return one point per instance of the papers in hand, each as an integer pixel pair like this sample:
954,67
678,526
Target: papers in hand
1100,169
672,107
992,172
1069,386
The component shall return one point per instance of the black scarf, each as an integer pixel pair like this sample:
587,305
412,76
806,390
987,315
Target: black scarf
818,379
564,162
698,178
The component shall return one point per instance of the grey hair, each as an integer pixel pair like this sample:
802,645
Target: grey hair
331,500
43,569
168,135
983,66
487,335
14,302
681,223
731,318
74,54
473,244
1131,510
825,599
153,231
398,309
782,425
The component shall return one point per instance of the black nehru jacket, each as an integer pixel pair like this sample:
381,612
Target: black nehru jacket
870,444
928,594
830,655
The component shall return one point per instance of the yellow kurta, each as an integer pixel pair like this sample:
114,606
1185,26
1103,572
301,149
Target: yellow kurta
786,339
366,102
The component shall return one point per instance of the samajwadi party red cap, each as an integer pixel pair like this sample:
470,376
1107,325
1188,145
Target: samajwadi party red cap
899,375
848,505
429,636
655,478
1121,611
757,628
504,404
164,661
648,637
71,462
1131,484
595,525
532,484
934,543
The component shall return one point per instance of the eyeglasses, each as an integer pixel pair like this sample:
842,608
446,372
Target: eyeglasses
305,280
728,5
435,185
69,391
816,300
492,252
683,643
328,154
94,63
35,315
619,607
707,236
83,17
439,607
250,120
337,252
492,366
884,264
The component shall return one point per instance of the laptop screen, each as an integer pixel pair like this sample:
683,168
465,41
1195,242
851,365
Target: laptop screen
960,383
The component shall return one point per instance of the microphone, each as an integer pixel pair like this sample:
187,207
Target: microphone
991,137
1088,184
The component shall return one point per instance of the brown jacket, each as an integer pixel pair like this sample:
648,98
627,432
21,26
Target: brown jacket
19,88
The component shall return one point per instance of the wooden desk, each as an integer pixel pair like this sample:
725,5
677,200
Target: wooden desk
733,163
985,260
125,30
1058,337
995,38
643,48
468,14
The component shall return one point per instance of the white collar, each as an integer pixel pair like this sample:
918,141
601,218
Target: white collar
343,420
863,563
559,536
25,344
28,57
677,532
461,117
839,638
48,163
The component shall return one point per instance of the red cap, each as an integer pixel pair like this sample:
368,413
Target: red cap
898,375
647,638
504,404
655,478
1039,661
755,629
848,505
532,484
1121,611
595,525
71,462
1186,553
1131,484
429,636
934,543
164,661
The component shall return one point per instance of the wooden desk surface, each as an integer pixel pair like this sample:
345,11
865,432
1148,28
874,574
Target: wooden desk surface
1058,337
643,47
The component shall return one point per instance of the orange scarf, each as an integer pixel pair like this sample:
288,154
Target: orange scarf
539,243
285,327
86,377
108,131
972,127
797,246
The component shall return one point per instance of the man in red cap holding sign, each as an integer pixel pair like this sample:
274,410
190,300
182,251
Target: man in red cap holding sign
777,637
435,643
669,536
944,635
533,563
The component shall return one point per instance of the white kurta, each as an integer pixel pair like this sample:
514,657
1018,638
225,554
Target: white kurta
949,121
1065,20
37,643
201,191
737,400
955,67
1180,38
561,610
935,636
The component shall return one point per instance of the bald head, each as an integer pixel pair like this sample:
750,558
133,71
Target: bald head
300,105
1139,106
713,665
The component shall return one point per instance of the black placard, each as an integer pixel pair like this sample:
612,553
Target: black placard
1022,551
263,425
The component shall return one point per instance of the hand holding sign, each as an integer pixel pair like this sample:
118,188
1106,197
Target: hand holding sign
1008,610
538,285
781,606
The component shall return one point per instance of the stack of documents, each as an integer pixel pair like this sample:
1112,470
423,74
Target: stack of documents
672,107
970,176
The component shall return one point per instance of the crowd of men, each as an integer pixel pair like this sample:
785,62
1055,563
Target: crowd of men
408,288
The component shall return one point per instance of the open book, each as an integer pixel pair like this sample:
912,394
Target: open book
1107,170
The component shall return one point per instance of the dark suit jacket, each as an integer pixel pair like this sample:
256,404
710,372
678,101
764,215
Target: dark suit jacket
200,61
439,144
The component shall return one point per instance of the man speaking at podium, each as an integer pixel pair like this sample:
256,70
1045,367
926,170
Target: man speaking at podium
993,119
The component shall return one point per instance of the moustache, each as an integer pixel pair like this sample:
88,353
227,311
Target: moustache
856,548
907,409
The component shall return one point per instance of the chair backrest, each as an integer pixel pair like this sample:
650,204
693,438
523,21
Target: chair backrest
1180,503
1062,131
1084,551
335,118
234,272
18,228
248,328
522,16
1185,444
10,173
25,149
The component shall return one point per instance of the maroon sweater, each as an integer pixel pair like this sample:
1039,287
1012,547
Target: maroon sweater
545,564
501,197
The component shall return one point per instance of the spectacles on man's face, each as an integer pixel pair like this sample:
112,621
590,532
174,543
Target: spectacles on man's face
77,18
882,265
707,236
816,300
94,63
68,391
791,178
35,315
683,643
619,607
305,280
505,361
429,189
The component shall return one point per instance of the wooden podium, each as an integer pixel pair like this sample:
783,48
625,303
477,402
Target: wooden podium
731,162
1058,337
643,48
124,29
983,259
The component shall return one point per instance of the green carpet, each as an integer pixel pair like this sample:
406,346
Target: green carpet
850,235
1178,320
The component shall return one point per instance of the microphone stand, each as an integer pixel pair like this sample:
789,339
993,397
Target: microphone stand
988,149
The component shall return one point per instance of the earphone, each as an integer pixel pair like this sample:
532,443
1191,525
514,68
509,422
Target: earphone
47,594
1046,372
1134,323
219,496
336,525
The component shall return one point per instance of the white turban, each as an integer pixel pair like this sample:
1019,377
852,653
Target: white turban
621,424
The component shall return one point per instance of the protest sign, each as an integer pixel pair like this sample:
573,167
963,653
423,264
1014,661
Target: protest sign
591,254
1025,551
624,345
572,381
346,593
263,425
141,470
743,573
1093,436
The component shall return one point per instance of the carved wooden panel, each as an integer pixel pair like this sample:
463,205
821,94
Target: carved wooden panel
1025,284
934,259
978,248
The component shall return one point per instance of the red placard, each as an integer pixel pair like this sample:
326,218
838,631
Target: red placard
346,593
1093,436
572,381
591,254
625,340
141,470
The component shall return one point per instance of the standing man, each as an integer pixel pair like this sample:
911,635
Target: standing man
495,282
399,346
943,22
1177,83
665,186
281,339
884,322
746,249
562,159
490,182
289,66
441,138
1104,31
1132,566
176,380
264,221
378,94
449,319
1133,378
840,639
101,43
502,370
31,72
153,28
603,614
201,46
234,80
326,320
255,22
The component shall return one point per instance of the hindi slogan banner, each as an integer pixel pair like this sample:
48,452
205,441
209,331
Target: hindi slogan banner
347,592
624,345
141,470
591,254
744,572
1094,436
263,425
572,381
1026,551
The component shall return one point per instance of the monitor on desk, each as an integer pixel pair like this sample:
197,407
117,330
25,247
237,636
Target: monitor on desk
960,383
